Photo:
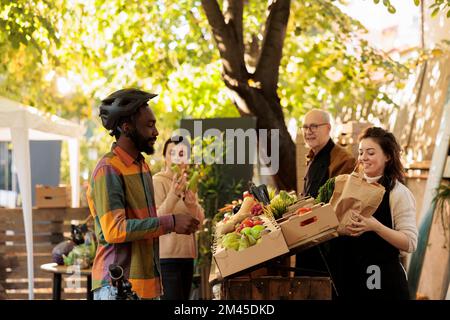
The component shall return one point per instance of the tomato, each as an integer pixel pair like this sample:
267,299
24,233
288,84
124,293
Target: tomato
248,223
303,211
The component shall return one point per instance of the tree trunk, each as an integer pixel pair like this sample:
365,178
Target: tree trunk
255,94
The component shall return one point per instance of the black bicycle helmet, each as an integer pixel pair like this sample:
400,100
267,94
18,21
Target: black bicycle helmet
120,104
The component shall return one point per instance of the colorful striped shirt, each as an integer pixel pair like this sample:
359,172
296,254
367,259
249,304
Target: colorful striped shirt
121,200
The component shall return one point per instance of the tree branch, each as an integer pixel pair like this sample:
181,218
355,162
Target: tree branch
267,69
225,37
252,53
234,14
215,17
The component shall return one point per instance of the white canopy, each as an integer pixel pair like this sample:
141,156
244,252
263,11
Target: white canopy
20,124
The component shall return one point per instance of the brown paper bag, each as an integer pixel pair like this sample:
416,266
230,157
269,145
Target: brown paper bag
352,193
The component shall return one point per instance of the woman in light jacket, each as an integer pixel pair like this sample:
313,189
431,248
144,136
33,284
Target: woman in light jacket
369,265
177,251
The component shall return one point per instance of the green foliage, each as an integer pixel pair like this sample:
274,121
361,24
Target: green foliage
442,201
82,254
437,6
203,93
326,191
327,64
280,203
214,190
440,6
388,5
63,56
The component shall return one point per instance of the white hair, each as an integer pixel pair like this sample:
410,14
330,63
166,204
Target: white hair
326,116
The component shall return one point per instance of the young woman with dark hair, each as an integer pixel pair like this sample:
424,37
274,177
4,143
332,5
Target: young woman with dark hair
369,249
172,197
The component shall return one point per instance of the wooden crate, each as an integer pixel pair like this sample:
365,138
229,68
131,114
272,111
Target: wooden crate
53,197
49,228
302,229
231,262
277,288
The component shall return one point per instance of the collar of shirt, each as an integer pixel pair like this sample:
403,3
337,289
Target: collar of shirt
126,158
326,149
372,179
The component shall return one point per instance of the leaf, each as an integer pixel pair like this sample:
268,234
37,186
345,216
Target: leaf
436,52
448,13
435,12
391,9
417,2
400,85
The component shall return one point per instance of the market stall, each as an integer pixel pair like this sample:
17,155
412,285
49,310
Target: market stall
20,124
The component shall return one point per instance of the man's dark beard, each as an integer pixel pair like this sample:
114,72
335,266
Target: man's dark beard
141,143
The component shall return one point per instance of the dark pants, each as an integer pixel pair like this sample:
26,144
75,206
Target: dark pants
310,263
177,278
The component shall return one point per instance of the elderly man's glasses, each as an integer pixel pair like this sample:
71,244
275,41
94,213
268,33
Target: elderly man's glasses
313,127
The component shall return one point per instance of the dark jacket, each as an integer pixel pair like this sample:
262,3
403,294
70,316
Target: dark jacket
329,162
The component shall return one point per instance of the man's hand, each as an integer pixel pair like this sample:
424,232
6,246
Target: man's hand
185,224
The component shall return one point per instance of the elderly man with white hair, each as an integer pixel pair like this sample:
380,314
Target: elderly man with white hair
325,160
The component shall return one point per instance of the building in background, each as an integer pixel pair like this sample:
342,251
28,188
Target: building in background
45,159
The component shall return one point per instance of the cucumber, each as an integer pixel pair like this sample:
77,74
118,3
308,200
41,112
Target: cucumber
193,182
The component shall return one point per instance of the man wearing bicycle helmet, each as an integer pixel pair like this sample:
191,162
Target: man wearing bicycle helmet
121,199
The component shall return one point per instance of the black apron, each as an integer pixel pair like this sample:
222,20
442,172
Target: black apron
359,260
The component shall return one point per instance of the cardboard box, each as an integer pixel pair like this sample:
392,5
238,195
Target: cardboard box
229,261
307,202
298,230
315,240
53,197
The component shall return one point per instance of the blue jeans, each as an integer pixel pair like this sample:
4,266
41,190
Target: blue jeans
109,293
105,293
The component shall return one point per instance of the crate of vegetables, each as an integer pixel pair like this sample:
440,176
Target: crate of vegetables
309,225
247,238
306,202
